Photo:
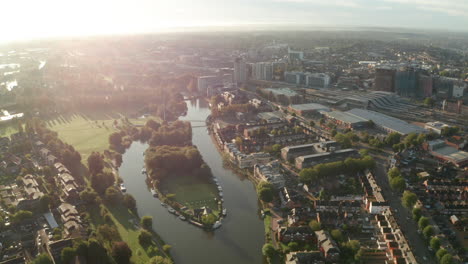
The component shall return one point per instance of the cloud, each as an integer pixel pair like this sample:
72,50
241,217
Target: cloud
449,7
383,8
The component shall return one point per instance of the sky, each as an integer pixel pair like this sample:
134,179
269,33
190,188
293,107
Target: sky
29,19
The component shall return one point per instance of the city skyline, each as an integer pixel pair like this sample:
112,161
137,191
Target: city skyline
53,18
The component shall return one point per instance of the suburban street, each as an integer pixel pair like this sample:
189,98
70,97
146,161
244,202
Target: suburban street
404,216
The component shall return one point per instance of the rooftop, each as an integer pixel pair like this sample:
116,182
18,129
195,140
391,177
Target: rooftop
311,106
282,91
387,122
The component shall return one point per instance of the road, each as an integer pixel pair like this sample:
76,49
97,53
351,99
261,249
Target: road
403,216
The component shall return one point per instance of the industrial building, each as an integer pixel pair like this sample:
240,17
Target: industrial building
346,119
291,152
439,149
387,123
284,96
308,109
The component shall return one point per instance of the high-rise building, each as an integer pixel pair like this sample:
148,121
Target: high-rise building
406,82
425,85
240,70
317,80
384,79
294,77
262,71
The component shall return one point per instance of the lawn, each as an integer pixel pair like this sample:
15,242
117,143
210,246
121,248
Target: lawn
192,192
83,133
88,132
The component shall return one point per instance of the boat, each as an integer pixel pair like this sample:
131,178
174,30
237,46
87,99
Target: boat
123,188
181,217
154,193
219,188
217,224
143,171
224,212
164,205
171,210
221,194
214,179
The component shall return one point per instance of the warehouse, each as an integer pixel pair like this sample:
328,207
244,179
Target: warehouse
346,119
308,109
387,123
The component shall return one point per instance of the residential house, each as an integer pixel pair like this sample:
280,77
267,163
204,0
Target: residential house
295,234
327,245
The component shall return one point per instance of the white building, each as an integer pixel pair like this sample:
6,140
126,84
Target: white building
458,89
240,71
436,126
270,172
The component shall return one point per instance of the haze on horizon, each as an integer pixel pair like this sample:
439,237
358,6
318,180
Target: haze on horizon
28,19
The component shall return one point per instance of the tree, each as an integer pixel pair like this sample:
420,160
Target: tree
446,259
121,252
409,199
392,139
145,237
314,225
115,139
112,195
428,231
417,212
398,184
160,260
88,196
308,175
95,163
108,233
96,252
435,243
393,172
423,222
440,253
21,216
429,102
265,192
44,202
268,250
42,259
129,202
293,246
147,222
312,123
337,235
152,124
209,220
101,181
67,255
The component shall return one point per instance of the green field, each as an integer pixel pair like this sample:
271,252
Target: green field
89,132
83,133
192,192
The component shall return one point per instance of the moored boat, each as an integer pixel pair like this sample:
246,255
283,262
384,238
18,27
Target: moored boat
217,224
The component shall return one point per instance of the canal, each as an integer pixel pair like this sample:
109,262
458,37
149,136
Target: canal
241,236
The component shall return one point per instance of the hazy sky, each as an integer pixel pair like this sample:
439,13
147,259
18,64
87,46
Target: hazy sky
22,19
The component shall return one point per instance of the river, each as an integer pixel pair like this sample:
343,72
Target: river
241,236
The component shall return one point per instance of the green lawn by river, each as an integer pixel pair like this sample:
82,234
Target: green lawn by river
192,192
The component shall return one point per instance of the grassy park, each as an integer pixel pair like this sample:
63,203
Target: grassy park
192,192
89,132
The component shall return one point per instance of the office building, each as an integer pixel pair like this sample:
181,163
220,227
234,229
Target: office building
295,55
294,77
283,96
308,109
